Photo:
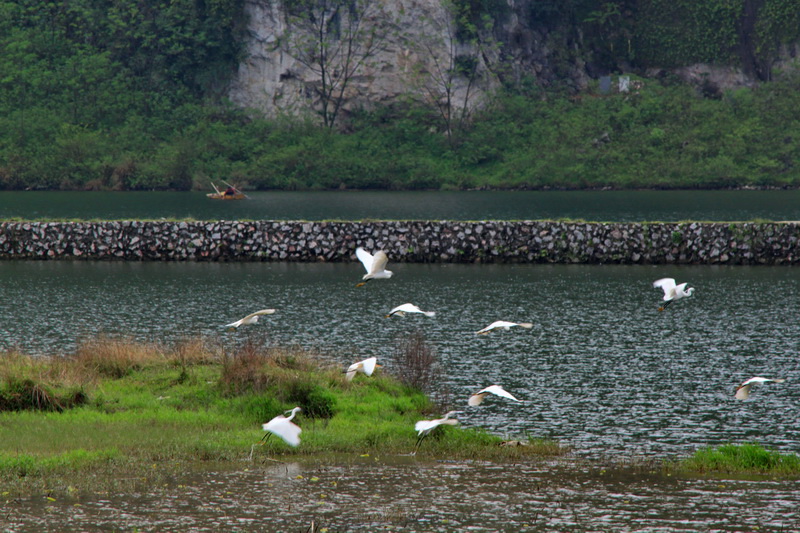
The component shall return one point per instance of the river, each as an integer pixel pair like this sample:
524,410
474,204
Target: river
598,206
601,371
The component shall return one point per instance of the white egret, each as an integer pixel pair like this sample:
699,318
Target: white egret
424,427
374,264
367,366
478,397
672,291
283,427
252,318
743,390
401,310
502,324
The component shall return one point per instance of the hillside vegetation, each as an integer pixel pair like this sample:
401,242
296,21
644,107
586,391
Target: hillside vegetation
130,96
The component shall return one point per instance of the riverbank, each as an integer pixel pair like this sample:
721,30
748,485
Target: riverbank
415,241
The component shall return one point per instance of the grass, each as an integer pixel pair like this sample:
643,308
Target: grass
740,459
160,410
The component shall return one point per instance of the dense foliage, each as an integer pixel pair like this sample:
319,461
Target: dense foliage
106,94
88,87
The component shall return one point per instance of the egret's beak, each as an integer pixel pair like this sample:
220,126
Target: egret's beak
361,284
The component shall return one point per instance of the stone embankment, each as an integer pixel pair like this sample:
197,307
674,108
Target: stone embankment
407,241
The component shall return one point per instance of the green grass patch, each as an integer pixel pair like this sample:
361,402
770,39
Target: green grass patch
740,459
160,410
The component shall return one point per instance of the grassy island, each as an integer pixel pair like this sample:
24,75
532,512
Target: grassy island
120,414
740,459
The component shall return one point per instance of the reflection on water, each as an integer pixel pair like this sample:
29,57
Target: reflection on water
601,370
405,494
606,206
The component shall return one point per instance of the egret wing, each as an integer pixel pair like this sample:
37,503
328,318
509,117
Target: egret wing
285,429
743,392
666,284
476,399
379,262
366,259
499,391
368,365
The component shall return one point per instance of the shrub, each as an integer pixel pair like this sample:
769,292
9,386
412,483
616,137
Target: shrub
416,363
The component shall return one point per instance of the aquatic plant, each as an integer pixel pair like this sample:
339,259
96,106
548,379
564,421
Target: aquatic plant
740,458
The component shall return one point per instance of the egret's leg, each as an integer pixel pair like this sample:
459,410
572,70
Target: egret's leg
265,438
419,441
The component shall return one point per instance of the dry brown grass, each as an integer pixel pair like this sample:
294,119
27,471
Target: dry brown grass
116,358
254,367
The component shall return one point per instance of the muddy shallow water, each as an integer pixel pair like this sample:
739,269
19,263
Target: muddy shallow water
415,494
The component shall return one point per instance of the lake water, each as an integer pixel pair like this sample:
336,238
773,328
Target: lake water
602,370
605,206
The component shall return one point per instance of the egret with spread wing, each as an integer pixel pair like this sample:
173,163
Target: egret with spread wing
477,398
743,390
367,367
672,291
401,310
252,318
503,324
424,427
374,264
283,427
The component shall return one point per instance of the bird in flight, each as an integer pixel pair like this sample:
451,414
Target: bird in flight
478,397
502,324
401,310
424,427
367,366
374,264
252,318
283,427
743,390
672,291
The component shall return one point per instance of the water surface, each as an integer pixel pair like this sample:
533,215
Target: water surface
602,370
406,494
606,206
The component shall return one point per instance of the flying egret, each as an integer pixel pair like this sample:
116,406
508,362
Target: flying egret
743,390
502,324
283,427
252,318
478,397
375,265
367,366
672,291
401,310
424,427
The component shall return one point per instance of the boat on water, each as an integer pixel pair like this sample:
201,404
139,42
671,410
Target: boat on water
230,193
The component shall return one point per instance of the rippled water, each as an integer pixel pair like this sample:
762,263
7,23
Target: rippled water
601,370
404,494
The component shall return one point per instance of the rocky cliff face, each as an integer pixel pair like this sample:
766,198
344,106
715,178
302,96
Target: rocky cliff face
420,49
421,46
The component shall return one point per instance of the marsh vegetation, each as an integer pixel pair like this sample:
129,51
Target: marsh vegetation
117,407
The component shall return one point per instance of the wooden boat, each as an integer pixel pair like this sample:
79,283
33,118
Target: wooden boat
219,195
